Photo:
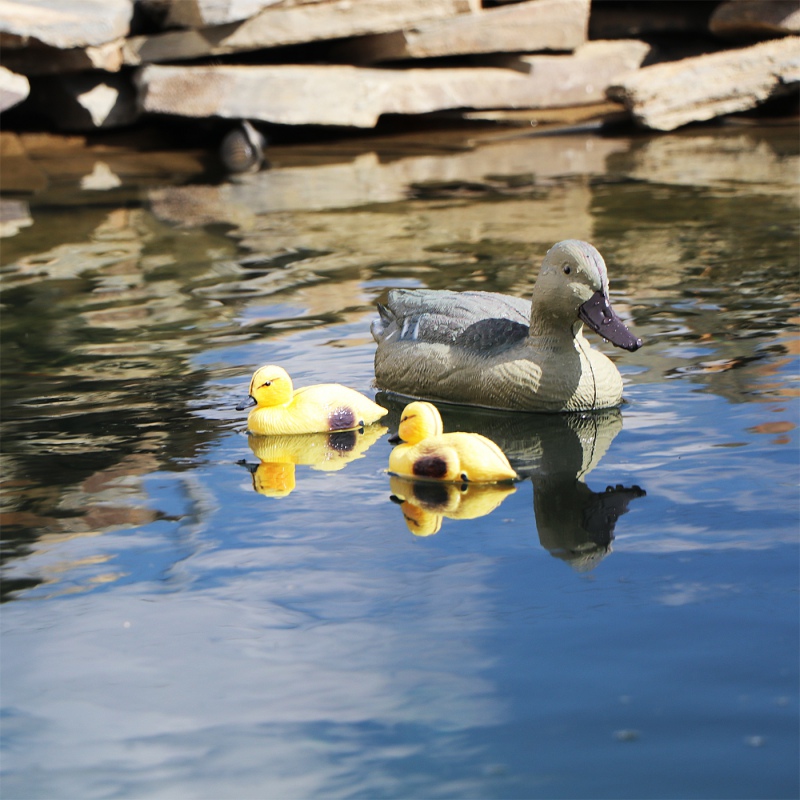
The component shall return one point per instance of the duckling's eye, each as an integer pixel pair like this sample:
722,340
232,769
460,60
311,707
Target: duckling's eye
267,383
566,269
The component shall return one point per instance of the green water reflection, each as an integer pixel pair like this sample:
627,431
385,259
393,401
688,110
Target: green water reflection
104,308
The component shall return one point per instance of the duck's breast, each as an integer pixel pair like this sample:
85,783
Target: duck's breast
520,377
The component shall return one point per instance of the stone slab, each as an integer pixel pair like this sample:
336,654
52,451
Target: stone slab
282,25
38,59
64,23
13,88
536,25
204,13
755,19
344,95
666,96
548,119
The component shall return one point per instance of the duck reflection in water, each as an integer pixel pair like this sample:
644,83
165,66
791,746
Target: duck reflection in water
274,474
556,452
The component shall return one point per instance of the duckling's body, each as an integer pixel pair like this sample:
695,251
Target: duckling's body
427,452
493,350
280,409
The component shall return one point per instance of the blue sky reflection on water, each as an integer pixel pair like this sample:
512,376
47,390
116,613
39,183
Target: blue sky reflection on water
312,644
232,644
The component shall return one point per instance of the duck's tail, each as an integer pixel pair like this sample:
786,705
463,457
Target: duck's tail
379,327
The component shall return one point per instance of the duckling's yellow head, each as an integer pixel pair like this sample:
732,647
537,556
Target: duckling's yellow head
418,421
271,386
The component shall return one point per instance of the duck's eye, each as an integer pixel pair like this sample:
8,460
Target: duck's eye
566,269
267,383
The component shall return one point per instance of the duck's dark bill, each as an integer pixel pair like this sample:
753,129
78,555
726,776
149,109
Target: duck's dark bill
246,403
597,313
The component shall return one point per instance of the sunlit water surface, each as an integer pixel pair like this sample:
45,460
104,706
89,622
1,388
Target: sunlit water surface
192,613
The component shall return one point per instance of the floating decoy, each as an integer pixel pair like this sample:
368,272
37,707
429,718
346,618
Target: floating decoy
428,453
503,352
279,408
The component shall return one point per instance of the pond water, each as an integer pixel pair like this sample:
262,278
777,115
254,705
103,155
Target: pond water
194,613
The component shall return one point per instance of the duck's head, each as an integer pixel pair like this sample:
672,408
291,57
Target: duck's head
269,386
573,281
418,421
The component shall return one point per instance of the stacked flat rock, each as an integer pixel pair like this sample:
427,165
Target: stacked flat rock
92,64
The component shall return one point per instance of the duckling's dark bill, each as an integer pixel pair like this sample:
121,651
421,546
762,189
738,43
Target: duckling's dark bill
597,313
246,403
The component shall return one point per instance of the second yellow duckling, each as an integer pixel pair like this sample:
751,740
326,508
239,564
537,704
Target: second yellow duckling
427,452
311,409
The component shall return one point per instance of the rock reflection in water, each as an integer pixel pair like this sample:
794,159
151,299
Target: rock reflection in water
556,452
274,475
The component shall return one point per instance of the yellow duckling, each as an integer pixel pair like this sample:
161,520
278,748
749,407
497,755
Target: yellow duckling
311,409
427,452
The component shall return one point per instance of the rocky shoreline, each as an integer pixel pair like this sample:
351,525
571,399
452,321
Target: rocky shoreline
90,66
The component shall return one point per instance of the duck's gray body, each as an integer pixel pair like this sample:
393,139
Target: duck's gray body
481,321
498,351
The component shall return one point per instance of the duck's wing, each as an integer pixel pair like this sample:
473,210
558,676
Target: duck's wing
477,320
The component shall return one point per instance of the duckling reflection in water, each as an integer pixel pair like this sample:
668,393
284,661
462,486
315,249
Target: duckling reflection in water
323,407
274,475
556,452
429,453
425,504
